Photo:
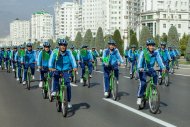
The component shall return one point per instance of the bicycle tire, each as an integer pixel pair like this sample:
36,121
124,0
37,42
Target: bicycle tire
154,94
49,90
64,104
143,104
166,80
114,89
28,81
88,81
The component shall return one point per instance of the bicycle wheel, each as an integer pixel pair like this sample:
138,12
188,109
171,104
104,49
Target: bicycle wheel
16,72
45,90
142,105
88,81
75,77
114,89
49,89
58,104
166,79
154,99
64,104
28,80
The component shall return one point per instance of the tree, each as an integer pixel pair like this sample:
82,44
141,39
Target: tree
53,44
173,39
92,43
183,43
119,41
157,40
99,40
78,40
145,34
164,37
87,38
106,39
133,40
188,51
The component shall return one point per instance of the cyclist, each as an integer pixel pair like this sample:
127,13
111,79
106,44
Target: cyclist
172,55
85,58
17,59
8,57
62,62
42,61
164,54
74,52
132,58
114,61
29,60
13,57
146,62
177,53
126,54
2,55
95,54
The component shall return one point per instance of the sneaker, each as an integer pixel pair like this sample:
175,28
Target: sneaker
53,94
117,82
160,76
77,72
5,68
13,70
69,105
106,94
139,100
81,80
17,79
0,66
90,76
24,82
33,77
40,84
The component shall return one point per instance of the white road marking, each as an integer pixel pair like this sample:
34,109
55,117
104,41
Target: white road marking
99,71
74,85
184,68
126,77
154,119
182,75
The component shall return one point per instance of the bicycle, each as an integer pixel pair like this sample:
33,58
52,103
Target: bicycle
46,92
152,95
164,78
113,85
74,76
2,64
95,65
134,73
16,70
29,75
21,73
9,67
86,77
171,68
61,97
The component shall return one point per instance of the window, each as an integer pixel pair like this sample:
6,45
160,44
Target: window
172,16
179,16
179,25
164,15
164,25
149,16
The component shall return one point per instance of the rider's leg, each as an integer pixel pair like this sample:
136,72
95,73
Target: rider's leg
142,85
106,79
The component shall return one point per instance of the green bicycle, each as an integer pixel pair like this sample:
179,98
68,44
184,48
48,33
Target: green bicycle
152,95
113,86
46,92
95,65
16,70
2,64
164,79
86,77
134,73
21,73
9,66
61,97
171,68
74,76
29,75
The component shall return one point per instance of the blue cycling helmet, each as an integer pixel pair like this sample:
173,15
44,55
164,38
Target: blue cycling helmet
72,47
150,42
163,43
84,46
22,46
133,46
62,42
29,44
46,44
111,42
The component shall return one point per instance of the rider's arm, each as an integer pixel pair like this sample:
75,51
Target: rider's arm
119,57
140,61
72,59
52,60
91,56
15,58
168,55
129,53
39,60
159,60
97,54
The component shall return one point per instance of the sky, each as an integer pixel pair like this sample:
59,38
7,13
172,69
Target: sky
22,9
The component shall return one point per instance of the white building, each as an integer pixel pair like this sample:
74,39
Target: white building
160,15
41,26
68,19
5,41
110,15
19,31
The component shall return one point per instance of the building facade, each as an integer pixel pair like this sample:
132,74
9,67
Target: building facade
41,26
160,15
68,19
19,31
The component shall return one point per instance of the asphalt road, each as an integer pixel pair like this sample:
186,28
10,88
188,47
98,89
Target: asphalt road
22,108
